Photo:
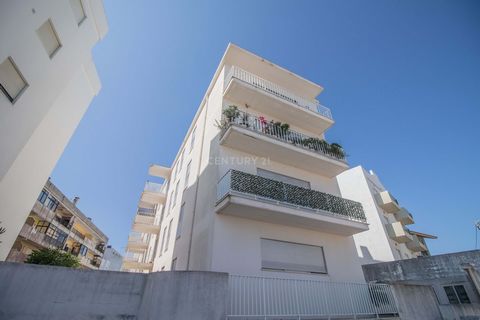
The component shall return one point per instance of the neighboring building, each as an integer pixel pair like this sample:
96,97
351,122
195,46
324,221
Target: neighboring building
253,188
56,222
445,286
112,260
47,81
388,220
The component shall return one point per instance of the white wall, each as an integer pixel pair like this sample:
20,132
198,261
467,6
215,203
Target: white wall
36,128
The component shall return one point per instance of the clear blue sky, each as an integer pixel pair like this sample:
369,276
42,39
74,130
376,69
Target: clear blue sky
402,79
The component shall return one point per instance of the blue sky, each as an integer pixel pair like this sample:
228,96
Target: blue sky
402,79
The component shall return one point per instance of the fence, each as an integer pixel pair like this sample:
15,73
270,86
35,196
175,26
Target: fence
274,298
277,90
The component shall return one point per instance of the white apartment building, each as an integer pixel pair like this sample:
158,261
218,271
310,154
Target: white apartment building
389,223
47,81
253,189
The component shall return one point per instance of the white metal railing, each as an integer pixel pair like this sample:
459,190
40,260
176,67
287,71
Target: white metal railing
277,91
262,297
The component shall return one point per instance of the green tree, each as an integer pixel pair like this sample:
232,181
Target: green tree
53,257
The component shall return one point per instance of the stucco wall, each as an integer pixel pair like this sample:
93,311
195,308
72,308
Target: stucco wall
57,293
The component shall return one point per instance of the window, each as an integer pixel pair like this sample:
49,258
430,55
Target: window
163,240
282,178
192,139
180,221
187,174
83,250
43,196
456,294
179,163
12,82
174,264
288,256
174,202
47,35
168,234
42,226
78,11
52,203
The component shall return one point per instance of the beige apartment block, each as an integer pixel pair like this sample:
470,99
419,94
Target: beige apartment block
47,81
253,189
56,222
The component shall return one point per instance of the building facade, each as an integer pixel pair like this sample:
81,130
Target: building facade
112,260
389,222
47,81
56,222
253,188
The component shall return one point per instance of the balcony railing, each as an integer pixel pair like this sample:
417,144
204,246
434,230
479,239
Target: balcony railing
237,182
260,125
149,212
153,187
275,298
277,91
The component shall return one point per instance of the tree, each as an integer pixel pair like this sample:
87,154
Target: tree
53,257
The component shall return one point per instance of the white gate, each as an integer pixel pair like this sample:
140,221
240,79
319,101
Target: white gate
275,298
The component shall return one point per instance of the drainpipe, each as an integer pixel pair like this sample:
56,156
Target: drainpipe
198,182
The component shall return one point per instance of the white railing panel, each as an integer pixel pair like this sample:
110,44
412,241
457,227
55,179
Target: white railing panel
262,297
277,91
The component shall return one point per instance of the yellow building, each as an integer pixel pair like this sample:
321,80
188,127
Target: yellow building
56,222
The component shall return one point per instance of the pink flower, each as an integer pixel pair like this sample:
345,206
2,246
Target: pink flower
262,120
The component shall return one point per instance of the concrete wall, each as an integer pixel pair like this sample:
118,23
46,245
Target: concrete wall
56,293
414,279
416,302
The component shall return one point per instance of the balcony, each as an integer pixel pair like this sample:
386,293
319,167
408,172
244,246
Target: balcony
135,263
254,197
404,216
145,215
144,221
416,245
43,211
387,202
159,171
244,87
397,232
153,194
136,243
265,139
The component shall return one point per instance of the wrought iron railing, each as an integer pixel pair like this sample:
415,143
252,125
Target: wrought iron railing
275,298
278,91
237,182
260,125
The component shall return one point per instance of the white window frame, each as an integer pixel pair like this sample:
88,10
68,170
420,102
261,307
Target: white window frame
83,10
180,221
187,173
289,268
192,139
20,75
168,235
55,34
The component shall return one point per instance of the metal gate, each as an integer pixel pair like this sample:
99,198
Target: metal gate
275,298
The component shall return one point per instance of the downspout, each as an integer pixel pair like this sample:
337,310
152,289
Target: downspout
198,182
